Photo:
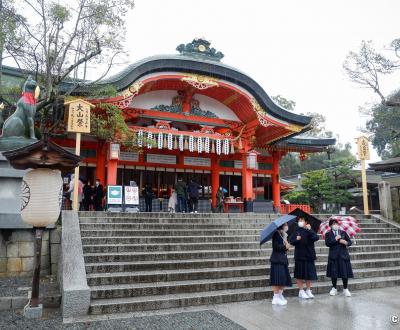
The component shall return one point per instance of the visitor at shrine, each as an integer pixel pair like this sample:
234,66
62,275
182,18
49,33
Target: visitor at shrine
148,198
193,192
172,202
339,265
71,190
98,196
181,193
303,239
87,195
279,274
220,200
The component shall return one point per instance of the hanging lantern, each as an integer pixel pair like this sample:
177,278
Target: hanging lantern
199,145
181,142
140,139
218,146
160,140
226,146
191,143
170,141
251,160
207,144
41,197
149,140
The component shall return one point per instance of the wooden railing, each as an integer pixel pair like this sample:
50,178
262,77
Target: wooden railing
287,208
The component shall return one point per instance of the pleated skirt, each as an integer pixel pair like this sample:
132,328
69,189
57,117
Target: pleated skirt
339,268
280,275
305,270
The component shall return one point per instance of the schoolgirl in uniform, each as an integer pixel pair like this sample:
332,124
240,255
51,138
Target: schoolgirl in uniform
339,265
303,239
280,276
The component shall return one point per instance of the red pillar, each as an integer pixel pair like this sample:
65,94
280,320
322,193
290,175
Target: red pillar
101,157
276,190
214,180
112,172
247,179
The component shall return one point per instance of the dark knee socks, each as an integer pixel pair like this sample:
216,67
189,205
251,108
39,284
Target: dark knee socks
345,282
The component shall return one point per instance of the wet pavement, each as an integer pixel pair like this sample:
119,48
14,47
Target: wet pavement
370,309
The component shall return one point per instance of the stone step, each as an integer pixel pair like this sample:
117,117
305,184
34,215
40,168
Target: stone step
157,302
181,246
242,237
164,265
177,285
212,254
167,220
157,277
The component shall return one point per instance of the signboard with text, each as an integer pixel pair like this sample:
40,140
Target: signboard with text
131,195
78,116
114,195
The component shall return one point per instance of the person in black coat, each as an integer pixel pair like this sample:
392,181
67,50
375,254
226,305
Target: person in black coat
303,239
98,196
279,275
339,265
148,197
87,196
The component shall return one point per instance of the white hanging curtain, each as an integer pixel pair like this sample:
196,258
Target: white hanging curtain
149,139
170,142
226,146
191,143
181,143
199,145
140,139
160,140
207,144
218,146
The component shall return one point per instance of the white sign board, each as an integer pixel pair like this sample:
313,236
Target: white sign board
114,195
131,195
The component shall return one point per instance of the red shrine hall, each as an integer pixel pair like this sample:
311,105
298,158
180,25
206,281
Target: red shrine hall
196,117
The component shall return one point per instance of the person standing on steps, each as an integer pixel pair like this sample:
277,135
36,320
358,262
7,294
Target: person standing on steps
339,265
181,192
193,192
98,196
220,200
279,274
87,195
148,198
303,239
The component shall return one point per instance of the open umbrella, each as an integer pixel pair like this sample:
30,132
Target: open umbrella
313,221
267,233
346,223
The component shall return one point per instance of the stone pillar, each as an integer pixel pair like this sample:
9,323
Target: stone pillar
214,180
385,200
395,203
276,189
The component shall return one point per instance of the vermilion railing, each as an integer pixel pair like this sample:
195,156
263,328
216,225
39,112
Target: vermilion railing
287,208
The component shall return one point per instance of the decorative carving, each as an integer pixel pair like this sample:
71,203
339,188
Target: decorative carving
128,95
200,48
25,194
262,118
199,81
294,128
163,125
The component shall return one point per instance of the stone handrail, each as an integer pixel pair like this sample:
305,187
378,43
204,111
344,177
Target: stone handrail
75,292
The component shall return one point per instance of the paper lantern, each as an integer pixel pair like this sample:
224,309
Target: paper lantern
41,197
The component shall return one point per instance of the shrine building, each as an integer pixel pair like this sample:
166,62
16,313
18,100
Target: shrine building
207,121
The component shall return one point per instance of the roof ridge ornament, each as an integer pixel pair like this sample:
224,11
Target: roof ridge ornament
200,47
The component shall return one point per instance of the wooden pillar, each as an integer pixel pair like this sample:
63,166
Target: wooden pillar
214,179
101,158
112,172
276,190
247,179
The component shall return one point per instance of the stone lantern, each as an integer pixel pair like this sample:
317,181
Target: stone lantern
41,195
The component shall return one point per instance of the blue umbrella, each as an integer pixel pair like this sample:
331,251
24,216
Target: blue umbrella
224,190
269,231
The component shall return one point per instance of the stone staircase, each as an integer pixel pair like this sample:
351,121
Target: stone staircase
139,262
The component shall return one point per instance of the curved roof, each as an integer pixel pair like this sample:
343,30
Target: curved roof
206,67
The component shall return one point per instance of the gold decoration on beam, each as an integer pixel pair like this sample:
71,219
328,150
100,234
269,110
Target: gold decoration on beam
294,128
199,81
261,114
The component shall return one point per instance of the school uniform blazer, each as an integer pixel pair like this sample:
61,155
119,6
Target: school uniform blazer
336,249
304,248
279,250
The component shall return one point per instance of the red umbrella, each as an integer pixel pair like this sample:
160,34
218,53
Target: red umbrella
346,223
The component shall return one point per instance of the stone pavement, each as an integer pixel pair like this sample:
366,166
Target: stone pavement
370,309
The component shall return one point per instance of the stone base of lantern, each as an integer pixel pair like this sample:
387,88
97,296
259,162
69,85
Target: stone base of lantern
33,312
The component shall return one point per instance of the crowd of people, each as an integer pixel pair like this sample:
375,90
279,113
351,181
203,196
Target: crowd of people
303,240
89,197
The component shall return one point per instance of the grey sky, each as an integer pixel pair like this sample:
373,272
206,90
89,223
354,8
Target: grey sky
293,48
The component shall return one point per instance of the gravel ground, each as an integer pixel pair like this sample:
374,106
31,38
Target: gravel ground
52,320
19,286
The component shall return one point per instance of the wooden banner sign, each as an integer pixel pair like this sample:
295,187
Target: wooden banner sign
78,116
363,148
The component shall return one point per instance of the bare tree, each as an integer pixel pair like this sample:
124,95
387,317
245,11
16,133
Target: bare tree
61,38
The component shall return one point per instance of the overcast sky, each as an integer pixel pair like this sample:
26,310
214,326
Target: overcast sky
290,47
